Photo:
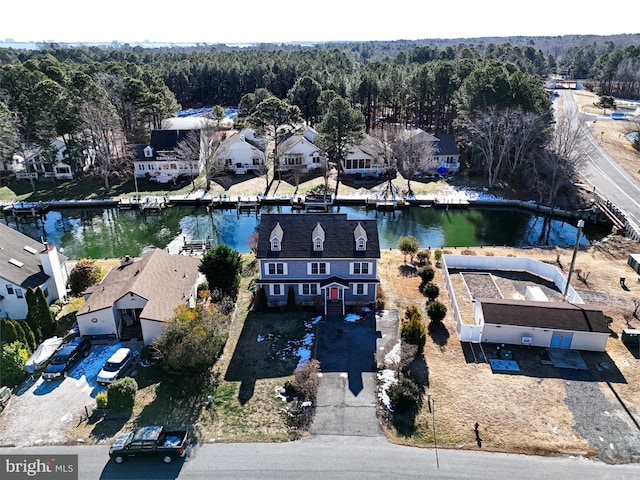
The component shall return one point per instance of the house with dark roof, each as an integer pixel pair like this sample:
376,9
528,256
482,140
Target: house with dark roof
299,152
542,324
136,299
158,160
325,259
440,154
26,263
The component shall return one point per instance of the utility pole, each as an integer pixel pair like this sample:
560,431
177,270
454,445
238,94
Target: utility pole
573,258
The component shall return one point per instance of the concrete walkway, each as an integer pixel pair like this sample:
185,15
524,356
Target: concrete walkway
347,394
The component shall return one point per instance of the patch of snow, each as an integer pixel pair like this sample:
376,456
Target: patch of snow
260,338
352,317
386,378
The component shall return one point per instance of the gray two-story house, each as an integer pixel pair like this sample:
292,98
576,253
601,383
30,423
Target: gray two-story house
327,260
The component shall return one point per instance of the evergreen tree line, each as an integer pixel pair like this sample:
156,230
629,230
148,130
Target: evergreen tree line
104,101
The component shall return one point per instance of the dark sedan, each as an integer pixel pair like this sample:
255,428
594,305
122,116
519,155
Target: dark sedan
65,358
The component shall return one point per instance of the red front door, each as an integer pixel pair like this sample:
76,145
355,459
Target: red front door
333,293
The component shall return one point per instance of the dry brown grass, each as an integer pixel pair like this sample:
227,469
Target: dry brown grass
516,413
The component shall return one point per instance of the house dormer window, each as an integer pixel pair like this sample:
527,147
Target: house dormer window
276,238
318,238
360,236
148,151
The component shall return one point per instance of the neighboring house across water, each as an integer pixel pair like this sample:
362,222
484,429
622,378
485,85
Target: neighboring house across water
136,299
158,160
370,158
242,152
299,151
327,260
38,163
440,152
26,263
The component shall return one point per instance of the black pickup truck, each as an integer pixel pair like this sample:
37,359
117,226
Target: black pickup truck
147,442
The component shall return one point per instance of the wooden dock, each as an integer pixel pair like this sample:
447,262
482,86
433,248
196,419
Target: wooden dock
196,247
153,205
317,202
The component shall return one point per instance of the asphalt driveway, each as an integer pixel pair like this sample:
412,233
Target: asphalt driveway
347,393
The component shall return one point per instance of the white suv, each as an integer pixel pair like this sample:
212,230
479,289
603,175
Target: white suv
116,367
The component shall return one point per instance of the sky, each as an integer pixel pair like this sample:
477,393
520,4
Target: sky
260,21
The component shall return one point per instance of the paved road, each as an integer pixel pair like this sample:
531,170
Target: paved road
600,170
339,458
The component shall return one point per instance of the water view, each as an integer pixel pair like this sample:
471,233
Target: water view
103,233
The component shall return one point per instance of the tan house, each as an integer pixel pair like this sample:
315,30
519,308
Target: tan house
135,299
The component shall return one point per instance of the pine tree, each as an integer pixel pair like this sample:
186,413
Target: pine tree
39,317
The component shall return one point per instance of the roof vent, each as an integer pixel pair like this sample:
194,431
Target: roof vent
31,250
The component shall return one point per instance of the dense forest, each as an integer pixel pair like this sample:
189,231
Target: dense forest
106,99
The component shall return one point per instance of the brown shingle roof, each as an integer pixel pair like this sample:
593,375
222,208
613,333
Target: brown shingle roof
553,315
162,279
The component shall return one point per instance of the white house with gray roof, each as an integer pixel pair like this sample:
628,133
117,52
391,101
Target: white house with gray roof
136,299
26,263
325,259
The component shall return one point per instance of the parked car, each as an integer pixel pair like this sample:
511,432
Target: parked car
149,441
116,367
5,396
68,355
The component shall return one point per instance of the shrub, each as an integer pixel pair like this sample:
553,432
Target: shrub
436,311
304,387
408,246
380,297
430,290
262,303
55,308
413,332
423,256
437,255
84,274
426,273
411,311
192,340
291,299
468,251
121,394
404,396
13,358
101,400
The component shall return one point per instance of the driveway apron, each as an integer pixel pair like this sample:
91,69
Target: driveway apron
347,393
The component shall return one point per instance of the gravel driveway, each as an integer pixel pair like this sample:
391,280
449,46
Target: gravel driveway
41,412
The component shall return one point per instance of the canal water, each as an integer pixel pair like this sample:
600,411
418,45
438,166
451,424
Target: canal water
112,233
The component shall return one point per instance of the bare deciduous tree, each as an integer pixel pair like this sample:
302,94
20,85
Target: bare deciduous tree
198,149
105,136
414,151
